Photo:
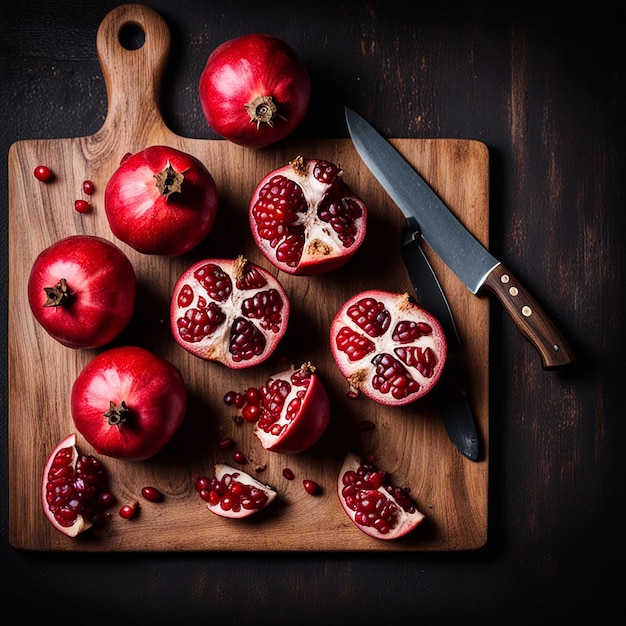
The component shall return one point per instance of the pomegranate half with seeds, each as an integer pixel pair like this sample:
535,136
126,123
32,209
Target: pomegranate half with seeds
294,410
233,493
229,310
388,347
374,504
74,489
305,219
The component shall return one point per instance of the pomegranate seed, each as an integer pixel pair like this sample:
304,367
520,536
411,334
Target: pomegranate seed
82,206
239,457
128,511
251,412
226,444
42,173
310,486
152,494
239,400
288,474
229,397
253,395
126,156
88,187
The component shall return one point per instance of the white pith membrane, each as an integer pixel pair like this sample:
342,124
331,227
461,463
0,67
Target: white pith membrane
405,521
223,471
359,373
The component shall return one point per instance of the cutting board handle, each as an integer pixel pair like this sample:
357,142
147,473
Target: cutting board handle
133,74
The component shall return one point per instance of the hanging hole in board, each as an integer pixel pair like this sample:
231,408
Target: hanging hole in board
132,36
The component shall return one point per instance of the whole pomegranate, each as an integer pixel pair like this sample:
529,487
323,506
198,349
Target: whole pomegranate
388,347
128,402
374,504
82,291
233,493
74,491
254,90
161,201
305,219
229,310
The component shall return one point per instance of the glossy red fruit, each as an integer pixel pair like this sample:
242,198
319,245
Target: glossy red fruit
161,201
294,411
374,504
82,206
233,493
82,291
254,90
152,494
128,511
74,489
229,310
388,347
43,173
305,219
128,402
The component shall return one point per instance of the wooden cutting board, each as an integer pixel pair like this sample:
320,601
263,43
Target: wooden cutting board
410,443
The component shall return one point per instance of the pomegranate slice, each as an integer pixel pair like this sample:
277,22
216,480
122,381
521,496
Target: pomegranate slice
233,493
294,411
374,504
74,489
229,310
305,219
388,347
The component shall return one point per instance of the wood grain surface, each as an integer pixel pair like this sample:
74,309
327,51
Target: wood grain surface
411,442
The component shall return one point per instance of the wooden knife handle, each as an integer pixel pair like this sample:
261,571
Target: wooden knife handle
529,318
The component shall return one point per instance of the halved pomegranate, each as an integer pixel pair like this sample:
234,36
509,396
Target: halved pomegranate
374,504
294,410
229,310
388,347
233,493
74,489
305,219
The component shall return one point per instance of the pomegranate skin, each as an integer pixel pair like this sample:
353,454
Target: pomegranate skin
101,287
150,388
248,67
153,220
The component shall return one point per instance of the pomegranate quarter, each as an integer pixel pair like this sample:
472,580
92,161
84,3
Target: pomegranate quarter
388,347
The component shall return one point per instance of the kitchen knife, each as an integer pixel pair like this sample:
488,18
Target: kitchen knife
453,243
454,403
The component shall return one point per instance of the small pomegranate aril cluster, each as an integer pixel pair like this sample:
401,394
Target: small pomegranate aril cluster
229,493
83,491
372,508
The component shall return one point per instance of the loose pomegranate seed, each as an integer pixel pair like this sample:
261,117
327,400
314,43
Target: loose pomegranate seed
239,457
253,395
82,206
128,511
152,494
310,486
251,412
42,173
226,444
88,187
229,398
288,474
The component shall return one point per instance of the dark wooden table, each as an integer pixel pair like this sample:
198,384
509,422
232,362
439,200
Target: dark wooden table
545,94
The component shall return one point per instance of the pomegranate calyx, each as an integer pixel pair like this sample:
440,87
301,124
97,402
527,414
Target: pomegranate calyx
57,295
169,181
117,413
298,165
263,110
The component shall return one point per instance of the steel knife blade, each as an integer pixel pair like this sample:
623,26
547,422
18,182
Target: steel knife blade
454,403
453,243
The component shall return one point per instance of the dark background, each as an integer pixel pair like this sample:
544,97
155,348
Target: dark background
542,85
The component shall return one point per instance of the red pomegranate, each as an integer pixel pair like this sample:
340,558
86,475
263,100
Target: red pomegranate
233,493
305,219
128,402
388,347
82,291
229,310
374,504
74,491
161,201
254,90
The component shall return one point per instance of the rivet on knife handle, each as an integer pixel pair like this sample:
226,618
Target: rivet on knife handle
529,318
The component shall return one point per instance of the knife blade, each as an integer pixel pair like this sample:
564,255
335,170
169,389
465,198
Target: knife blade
456,410
454,244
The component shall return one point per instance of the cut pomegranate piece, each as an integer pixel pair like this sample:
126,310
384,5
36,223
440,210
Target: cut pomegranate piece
374,504
305,219
229,310
388,347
